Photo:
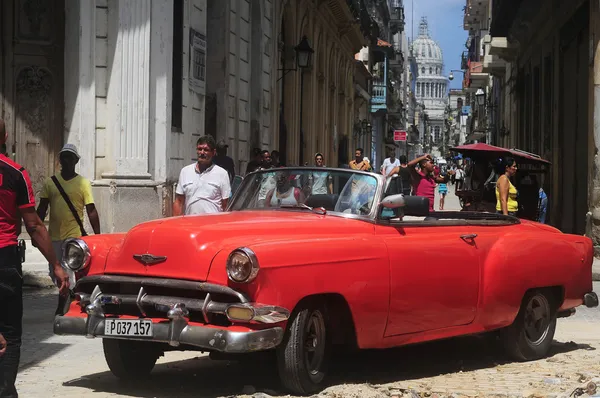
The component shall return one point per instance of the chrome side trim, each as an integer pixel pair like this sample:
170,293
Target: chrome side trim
208,338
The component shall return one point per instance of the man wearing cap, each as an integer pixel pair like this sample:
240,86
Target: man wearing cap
224,161
67,193
17,201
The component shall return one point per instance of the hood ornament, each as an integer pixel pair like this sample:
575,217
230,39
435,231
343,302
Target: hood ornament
149,259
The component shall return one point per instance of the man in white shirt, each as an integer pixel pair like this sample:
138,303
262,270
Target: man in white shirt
321,182
203,187
389,163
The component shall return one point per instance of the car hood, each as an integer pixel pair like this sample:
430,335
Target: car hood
184,247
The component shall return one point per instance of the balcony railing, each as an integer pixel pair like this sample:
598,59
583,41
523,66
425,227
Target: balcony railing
379,92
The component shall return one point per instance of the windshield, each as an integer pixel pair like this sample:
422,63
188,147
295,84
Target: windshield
335,190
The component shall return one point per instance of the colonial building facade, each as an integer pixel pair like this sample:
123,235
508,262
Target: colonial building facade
134,83
538,63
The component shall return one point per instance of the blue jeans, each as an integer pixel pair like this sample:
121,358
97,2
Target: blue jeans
543,210
11,317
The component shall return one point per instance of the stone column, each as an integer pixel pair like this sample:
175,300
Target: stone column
129,90
80,89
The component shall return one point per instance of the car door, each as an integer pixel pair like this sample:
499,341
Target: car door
434,276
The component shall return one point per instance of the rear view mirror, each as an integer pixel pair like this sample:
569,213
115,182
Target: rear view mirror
393,201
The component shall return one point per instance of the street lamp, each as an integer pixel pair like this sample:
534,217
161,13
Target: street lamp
303,57
451,75
480,97
303,53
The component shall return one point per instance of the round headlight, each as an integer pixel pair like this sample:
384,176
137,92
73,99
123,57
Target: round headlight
242,265
75,254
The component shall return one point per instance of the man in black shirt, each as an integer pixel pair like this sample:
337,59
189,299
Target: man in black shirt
403,181
224,161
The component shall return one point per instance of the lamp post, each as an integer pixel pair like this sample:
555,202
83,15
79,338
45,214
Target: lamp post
480,97
303,58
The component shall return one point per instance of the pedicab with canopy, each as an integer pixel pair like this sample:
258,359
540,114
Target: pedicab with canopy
480,194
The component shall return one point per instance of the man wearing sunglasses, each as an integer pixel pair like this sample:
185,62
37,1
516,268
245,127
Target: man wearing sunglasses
424,181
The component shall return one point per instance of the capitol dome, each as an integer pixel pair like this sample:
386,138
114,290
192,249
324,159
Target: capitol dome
425,50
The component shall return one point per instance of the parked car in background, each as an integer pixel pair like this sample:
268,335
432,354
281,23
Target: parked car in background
297,274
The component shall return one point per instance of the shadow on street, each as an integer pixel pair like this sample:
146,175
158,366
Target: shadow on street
207,378
38,317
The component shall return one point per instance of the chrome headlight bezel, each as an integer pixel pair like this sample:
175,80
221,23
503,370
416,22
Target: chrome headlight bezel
79,244
252,265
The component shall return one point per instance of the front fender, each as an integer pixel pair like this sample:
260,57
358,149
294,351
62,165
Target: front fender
356,268
100,246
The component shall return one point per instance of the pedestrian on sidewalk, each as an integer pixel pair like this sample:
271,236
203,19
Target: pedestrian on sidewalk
17,201
203,187
404,176
224,161
359,162
67,193
389,163
506,193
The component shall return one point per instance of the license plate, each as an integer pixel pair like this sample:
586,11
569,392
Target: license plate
128,327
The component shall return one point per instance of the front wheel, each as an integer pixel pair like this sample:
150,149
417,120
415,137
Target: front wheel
303,356
530,336
130,360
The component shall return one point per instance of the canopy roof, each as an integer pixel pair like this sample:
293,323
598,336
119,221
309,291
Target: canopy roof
479,149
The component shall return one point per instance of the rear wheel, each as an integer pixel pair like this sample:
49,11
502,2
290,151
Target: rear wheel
303,356
530,336
130,360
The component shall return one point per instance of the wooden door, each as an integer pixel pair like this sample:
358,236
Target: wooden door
32,89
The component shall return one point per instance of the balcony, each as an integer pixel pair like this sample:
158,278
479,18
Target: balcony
379,95
475,77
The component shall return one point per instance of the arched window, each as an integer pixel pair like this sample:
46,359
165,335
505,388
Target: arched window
423,70
430,70
429,51
418,89
426,89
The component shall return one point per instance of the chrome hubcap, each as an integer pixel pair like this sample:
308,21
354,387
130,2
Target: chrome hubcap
314,342
537,319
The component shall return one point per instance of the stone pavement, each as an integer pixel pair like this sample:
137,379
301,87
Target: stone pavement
68,366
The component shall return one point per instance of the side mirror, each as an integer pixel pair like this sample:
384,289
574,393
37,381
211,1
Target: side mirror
393,201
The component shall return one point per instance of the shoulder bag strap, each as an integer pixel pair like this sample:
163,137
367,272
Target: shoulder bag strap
70,204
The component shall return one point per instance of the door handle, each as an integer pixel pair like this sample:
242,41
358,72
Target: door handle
468,237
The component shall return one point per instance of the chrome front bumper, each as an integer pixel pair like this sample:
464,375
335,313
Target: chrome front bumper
177,331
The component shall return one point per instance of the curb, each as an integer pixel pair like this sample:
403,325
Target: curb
39,280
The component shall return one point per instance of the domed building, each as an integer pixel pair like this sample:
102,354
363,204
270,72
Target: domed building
431,87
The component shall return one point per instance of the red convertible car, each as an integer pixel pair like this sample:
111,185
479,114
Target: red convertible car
306,259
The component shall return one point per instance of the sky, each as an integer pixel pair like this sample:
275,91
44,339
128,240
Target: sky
445,18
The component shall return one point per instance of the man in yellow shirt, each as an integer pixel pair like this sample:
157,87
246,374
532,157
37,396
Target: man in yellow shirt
67,221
